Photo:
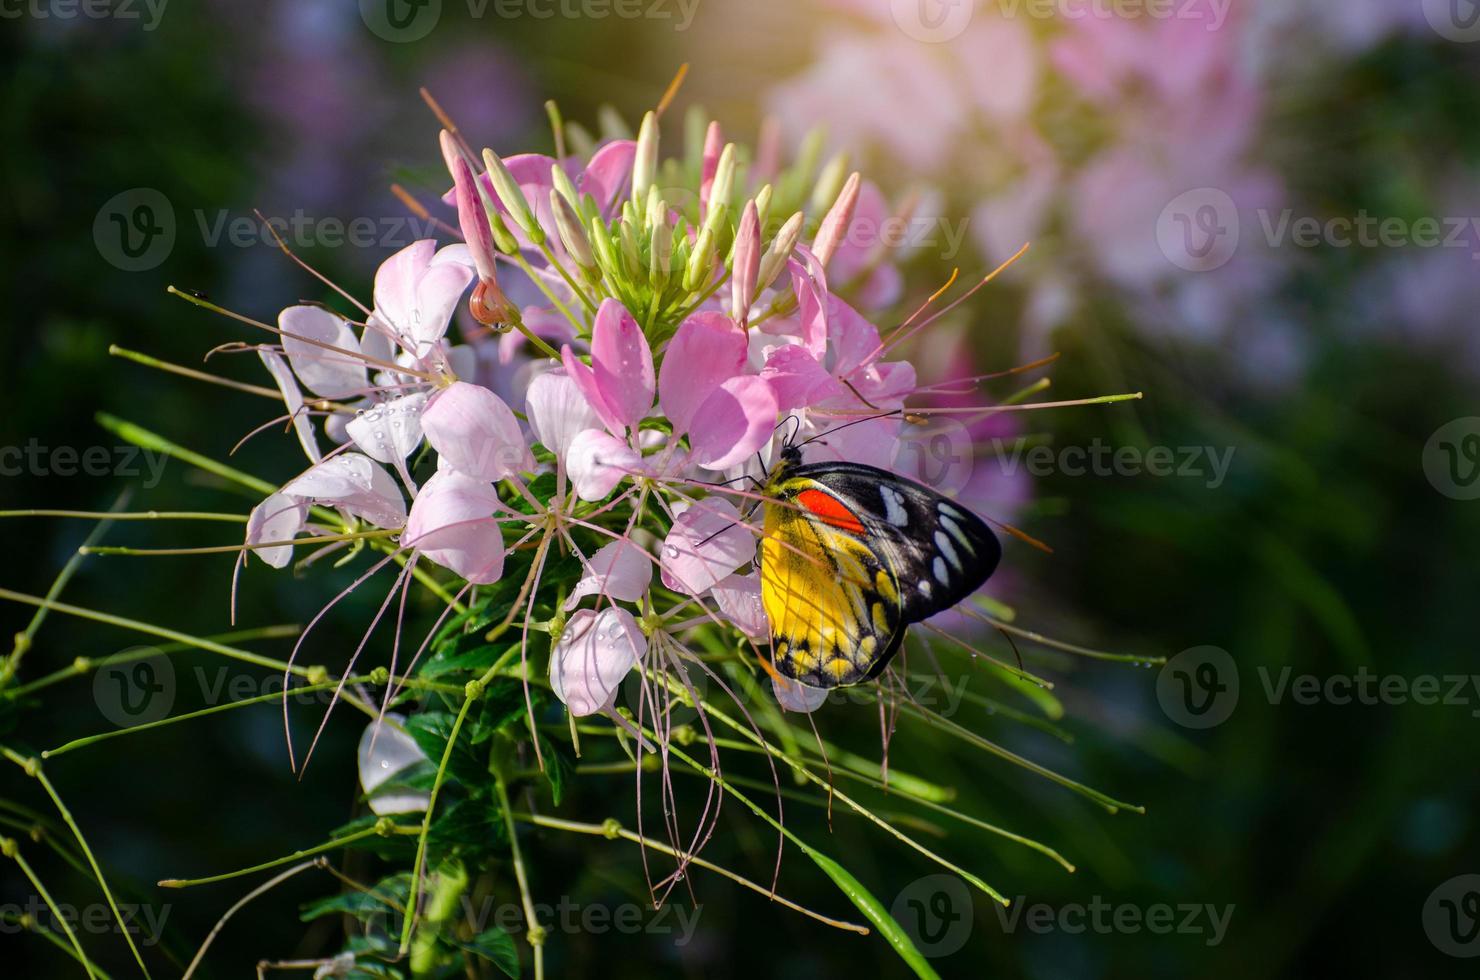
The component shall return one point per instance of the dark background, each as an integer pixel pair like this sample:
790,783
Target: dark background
1326,826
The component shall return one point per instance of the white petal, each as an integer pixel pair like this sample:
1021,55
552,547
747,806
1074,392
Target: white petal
293,399
325,372
597,462
622,571
594,653
278,518
354,483
796,696
739,599
389,432
385,750
707,543
557,411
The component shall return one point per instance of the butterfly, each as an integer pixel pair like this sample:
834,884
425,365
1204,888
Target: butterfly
850,556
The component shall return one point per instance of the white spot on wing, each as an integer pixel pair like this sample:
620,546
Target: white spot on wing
924,588
943,543
941,575
894,511
956,532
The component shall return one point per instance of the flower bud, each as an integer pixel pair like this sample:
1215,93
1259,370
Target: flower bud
645,164
780,251
572,234
512,197
747,264
835,226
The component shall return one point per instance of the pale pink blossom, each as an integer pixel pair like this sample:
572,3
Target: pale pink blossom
278,518
621,570
352,483
594,653
619,382
706,545
597,461
475,433
452,523
324,351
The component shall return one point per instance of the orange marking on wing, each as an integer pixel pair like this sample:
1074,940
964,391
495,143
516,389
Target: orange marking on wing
830,510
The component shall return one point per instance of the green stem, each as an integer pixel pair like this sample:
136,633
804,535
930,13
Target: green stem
82,665
246,656
611,830
32,768
8,849
535,934
26,637
384,827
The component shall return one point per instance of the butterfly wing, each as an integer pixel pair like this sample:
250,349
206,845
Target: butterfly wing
940,551
833,604
852,555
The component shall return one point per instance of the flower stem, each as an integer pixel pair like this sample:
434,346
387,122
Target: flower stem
611,830
535,933
32,768
383,827
8,849
246,656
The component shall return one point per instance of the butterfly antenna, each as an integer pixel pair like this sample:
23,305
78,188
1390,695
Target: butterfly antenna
839,428
1021,535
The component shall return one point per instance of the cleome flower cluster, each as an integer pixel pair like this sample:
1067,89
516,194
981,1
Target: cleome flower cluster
687,316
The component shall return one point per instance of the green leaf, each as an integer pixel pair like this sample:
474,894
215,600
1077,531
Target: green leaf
497,947
875,913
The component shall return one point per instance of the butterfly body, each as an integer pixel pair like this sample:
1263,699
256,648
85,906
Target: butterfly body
851,555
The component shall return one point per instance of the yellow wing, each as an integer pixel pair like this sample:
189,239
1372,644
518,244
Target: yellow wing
833,606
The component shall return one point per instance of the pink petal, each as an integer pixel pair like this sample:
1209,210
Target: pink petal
475,433
607,174
597,462
395,285
585,380
733,422
452,523
706,545
622,571
437,296
852,339
327,373
593,654
293,399
390,432
354,483
809,282
739,599
796,378
622,363
707,351
278,518
557,411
